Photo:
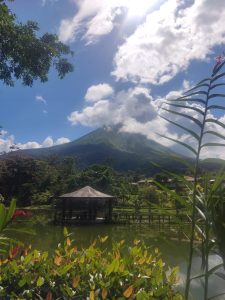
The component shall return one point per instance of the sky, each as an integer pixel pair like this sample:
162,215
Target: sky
129,57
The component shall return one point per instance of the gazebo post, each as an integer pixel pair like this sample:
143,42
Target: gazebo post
63,210
110,210
71,209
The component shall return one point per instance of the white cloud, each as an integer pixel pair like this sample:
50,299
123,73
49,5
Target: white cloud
98,92
94,19
45,2
7,143
169,39
40,99
137,112
48,142
135,103
62,140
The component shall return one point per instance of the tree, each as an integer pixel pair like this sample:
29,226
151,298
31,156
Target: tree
24,55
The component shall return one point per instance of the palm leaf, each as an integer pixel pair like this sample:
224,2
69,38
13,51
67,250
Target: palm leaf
197,87
183,99
217,68
204,80
185,116
213,145
182,127
214,133
201,213
216,107
195,93
181,143
216,85
216,95
215,121
217,182
186,107
216,296
200,231
217,77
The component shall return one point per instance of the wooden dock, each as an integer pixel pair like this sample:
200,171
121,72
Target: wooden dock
153,217
121,215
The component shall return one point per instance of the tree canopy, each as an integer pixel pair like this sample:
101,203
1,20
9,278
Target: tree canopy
26,56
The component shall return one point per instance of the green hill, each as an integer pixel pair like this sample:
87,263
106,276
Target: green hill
123,151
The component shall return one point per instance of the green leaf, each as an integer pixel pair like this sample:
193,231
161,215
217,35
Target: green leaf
173,194
185,116
216,95
65,232
182,127
11,210
181,143
2,216
113,267
186,107
201,212
40,281
200,231
217,183
22,282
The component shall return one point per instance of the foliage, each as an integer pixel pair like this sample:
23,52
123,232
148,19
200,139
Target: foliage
91,273
34,181
5,217
24,55
199,100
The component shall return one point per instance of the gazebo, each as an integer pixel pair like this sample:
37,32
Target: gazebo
84,205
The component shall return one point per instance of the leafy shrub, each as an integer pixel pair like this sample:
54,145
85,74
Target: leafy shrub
91,273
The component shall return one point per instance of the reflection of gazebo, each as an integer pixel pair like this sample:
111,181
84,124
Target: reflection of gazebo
84,205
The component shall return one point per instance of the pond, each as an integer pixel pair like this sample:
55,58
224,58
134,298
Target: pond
174,249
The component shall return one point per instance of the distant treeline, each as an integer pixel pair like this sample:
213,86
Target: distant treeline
37,181
34,181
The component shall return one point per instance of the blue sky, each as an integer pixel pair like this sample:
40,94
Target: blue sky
129,55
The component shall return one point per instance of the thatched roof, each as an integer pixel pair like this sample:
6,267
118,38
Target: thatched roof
86,192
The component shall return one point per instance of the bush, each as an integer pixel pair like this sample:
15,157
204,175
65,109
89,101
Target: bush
91,273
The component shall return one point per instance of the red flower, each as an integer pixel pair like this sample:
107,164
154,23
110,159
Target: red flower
219,59
20,212
13,252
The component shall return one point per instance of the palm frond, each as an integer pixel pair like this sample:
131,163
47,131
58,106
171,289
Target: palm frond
217,77
216,107
184,115
186,107
214,133
181,143
195,135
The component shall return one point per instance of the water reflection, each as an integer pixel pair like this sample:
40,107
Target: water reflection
169,240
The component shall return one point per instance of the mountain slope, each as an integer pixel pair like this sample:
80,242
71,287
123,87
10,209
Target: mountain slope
123,151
